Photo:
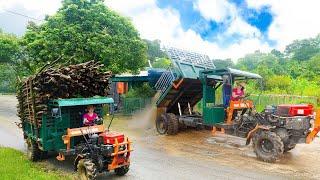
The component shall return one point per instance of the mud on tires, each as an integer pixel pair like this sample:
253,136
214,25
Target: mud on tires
86,169
268,146
173,124
288,147
122,170
33,151
161,124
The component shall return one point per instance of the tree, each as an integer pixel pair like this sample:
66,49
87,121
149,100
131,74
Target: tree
223,63
154,50
302,50
250,61
9,47
161,63
7,78
279,82
313,69
84,30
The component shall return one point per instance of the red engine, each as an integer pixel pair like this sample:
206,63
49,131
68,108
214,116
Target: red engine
110,137
295,110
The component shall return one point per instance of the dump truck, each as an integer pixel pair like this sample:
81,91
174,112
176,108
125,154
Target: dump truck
193,78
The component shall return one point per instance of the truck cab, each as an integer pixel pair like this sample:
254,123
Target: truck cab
222,115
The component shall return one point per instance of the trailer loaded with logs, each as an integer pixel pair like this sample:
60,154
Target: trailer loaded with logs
81,80
51,107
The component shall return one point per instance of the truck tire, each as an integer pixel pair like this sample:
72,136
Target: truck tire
288,147
173,124
268,146
122,170
87,170
161,124
33,151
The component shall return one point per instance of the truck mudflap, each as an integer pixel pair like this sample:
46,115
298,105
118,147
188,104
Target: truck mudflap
316,128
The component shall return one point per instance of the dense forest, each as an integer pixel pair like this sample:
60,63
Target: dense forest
294,71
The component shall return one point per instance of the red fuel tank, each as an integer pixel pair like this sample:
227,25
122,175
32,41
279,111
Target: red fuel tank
294,110
110,137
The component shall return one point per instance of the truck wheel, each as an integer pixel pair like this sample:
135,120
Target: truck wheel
161,124
33,151
288,147
44,154
268,146
86,169
122,170
173,124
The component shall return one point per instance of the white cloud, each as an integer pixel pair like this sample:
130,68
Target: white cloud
239,26
164,24
217,10
257,4
38,7
293,19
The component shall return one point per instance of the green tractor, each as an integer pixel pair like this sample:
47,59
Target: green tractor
95,148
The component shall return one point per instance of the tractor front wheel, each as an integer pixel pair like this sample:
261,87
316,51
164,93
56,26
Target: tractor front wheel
268,146
173,124
86,169
33,151
122,170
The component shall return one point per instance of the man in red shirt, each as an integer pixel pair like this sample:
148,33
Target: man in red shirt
238,92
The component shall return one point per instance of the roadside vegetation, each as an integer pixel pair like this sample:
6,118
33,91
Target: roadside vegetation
295,71
15,165
88,30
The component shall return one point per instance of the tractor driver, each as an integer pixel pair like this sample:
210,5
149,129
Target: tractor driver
238,92
226,90
90,117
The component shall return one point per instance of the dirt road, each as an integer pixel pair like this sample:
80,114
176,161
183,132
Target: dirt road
10,135
189,155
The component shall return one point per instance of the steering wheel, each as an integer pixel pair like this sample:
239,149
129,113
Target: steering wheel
98,121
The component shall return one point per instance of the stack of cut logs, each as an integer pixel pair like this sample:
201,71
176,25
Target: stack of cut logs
81,80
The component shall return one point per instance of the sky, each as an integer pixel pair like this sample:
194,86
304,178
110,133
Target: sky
219,28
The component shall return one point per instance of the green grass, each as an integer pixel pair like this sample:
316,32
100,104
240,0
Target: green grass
15,165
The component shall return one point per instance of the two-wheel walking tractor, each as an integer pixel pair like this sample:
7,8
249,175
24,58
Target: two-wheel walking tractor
275,130
95,148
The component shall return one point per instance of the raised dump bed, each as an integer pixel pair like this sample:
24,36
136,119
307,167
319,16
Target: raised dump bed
180,85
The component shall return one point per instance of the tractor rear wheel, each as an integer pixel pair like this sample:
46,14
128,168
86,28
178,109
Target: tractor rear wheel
33,151
173,124
161,124
86,169
122,170
268,146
